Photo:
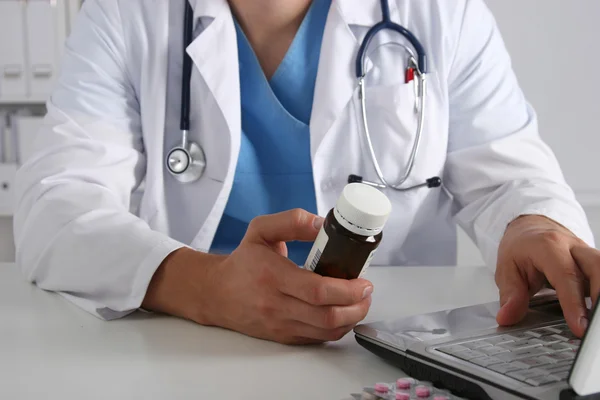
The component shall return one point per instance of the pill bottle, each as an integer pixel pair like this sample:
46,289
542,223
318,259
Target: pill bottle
351,233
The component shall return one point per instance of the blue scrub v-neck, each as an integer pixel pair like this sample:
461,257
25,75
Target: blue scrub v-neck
274,169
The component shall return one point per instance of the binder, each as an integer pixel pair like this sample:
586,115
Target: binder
43,32
13,63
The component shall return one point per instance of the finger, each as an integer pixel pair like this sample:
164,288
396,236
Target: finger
318,290
588,260
326,317
514,293
284,227
308,334
280,248
569,282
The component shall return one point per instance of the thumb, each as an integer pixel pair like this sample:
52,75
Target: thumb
286,226
514,295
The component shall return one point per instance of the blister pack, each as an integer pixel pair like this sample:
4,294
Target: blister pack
403,389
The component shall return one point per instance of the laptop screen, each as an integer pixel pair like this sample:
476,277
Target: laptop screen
585,375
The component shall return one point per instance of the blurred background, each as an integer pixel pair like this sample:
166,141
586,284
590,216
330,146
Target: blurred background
553,44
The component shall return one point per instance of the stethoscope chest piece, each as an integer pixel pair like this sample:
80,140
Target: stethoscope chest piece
186,163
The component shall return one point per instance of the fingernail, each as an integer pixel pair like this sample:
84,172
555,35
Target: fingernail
318,222
583,322
367,292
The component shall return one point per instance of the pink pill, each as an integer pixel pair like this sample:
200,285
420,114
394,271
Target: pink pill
382,387
422,391
440,398
403,383
402,396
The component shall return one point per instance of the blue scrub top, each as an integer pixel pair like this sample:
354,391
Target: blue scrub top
274,169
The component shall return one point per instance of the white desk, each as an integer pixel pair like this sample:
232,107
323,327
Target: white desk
49,349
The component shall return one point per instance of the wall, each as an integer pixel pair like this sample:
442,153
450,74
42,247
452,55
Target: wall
555,52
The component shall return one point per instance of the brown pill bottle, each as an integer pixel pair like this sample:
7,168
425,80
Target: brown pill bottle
351,233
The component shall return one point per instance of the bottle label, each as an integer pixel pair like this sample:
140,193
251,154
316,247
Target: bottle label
367,263
317,250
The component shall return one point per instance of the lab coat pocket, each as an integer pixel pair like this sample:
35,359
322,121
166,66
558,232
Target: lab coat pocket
392,122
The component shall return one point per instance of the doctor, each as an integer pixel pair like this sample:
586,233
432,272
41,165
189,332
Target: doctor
275,109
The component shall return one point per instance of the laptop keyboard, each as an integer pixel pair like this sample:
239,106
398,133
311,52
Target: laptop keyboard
537,357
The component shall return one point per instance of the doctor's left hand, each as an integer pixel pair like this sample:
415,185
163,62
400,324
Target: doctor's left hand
536,249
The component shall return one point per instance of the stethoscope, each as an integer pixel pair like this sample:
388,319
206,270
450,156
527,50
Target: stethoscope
187,161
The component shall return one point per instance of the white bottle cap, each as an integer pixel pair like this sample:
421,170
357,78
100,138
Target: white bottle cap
362,209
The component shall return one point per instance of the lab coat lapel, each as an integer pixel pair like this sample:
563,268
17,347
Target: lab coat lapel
336,81
214,53
216,115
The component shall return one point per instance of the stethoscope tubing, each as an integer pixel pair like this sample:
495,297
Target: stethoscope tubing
187,162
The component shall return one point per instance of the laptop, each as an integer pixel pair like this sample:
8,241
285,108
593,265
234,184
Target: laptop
464,350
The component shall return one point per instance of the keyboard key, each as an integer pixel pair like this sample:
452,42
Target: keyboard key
542,380
476,345
554,329
534,362
524,375
556,368
491,351
452,349
469,354
556,347
520,345
522,335
517,355
515,337
561,376
574,344
508,367
548,359
541,371
562,337
564,355
496,340
545,340
535,333
545,331
486,361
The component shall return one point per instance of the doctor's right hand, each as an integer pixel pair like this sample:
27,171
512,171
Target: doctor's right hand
258,291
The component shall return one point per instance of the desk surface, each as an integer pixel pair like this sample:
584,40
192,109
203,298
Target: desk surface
52,350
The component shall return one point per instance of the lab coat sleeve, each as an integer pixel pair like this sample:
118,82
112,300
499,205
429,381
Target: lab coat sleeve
74,232
498,168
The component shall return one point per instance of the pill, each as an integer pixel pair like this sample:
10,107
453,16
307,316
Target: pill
382,387
402,396
422,391
403,383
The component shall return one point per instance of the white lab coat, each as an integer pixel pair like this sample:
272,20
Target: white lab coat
115,114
